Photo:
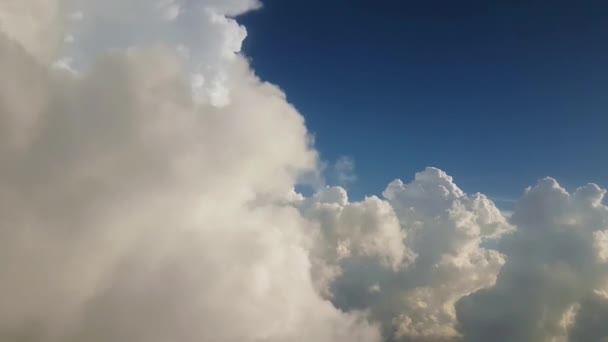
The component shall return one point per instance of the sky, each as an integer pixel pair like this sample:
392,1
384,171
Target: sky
154,156
485,90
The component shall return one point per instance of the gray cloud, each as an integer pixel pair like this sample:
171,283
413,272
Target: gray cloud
590,321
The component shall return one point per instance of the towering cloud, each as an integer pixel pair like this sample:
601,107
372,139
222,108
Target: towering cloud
442,230
146,194
129,207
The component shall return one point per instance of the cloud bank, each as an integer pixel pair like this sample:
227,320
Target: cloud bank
146,194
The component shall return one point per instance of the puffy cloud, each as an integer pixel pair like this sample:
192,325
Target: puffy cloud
552,272
129,210
440,231
446,229
346,230
203,33
545,279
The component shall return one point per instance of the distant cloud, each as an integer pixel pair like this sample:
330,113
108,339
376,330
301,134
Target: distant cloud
344,170
551,272
500,199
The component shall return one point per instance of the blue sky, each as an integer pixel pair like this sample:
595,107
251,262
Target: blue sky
498,94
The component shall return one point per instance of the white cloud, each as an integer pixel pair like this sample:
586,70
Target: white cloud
552,268
445,229
406,259
212,40
127,206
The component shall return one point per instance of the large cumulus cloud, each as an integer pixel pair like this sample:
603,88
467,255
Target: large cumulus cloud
129,207
410,286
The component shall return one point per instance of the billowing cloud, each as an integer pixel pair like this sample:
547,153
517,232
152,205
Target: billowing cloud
442,230
343,230
545,279
126,204
555,267
146,194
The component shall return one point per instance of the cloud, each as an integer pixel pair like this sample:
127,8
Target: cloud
589,323
203,33
127,204
554,266
443,230
344,170
36,24
344,230
545,279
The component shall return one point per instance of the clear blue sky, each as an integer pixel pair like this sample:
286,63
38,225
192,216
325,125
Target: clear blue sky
496,93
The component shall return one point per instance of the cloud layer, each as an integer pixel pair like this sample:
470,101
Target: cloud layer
146,194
